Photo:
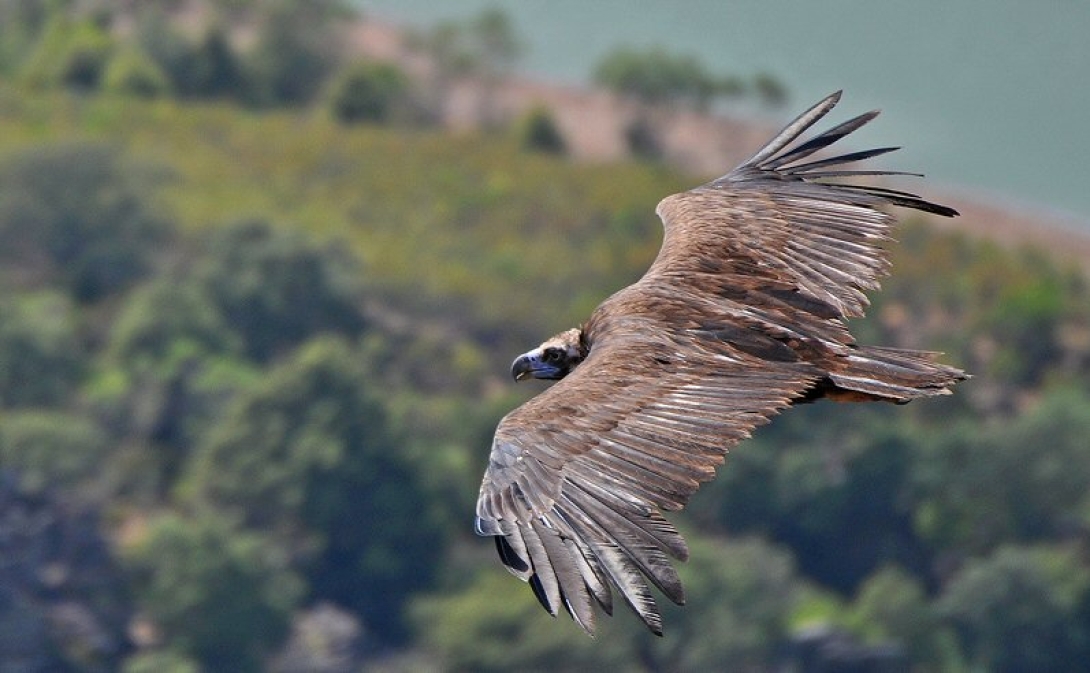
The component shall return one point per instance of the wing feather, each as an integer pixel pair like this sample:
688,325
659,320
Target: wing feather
512,550
796,128
620,466
628,581
570,580
589,564
544,582
640,553
850,157
819,142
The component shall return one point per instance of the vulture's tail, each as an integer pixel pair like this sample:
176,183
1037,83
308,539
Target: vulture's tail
890,375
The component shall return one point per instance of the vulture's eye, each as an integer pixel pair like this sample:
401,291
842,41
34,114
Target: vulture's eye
552,355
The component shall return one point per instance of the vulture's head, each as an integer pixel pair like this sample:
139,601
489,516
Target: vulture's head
553,359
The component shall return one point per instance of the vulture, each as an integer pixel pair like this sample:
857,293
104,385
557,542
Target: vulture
740,315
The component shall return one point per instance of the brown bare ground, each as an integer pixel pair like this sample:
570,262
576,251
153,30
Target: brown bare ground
593,123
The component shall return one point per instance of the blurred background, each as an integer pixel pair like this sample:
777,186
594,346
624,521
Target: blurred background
264,266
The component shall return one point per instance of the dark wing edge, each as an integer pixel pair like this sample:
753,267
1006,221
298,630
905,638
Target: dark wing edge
775,158
578,513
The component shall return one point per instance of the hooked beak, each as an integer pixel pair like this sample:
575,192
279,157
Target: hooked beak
523,367
530,365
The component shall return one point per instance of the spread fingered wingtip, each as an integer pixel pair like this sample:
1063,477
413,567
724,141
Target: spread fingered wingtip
778,159
794,129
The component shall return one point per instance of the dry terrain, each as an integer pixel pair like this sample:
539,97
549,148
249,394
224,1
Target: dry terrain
593,123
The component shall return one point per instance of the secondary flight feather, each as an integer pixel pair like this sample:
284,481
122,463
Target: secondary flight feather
741,315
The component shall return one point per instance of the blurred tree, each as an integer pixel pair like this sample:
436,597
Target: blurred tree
52,449
893,607
657,76
216,70
40,350
78,216
495,624
164,313
769,89
296,50
744,592
69,52
484,45
830,493
1027,313
370,92
169,367
205,68
1022,479
492,41
309,452
643,141
1015,318
537,131
173,52
275,289
21,22
130,72
221,595
816,477
1022,609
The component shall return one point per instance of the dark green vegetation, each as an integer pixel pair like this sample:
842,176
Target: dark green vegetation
657,76
251,360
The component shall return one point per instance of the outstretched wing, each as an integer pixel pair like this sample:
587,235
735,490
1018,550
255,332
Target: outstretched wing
778,220
757,270
578,475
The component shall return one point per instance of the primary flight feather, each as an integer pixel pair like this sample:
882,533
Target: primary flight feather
740,315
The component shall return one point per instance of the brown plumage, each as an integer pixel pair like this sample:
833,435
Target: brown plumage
740,315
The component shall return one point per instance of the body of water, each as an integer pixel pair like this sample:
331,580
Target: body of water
988,95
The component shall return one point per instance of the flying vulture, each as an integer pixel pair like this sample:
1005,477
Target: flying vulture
741,314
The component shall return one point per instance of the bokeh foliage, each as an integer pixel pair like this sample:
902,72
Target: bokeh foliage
263,352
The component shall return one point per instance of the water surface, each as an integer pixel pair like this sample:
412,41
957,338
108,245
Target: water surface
990,95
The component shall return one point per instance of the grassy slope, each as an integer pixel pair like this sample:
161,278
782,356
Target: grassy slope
466,222
467,235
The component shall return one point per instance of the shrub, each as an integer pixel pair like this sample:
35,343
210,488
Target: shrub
220,595
132,73
70,54
369,92
537,131
79,216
